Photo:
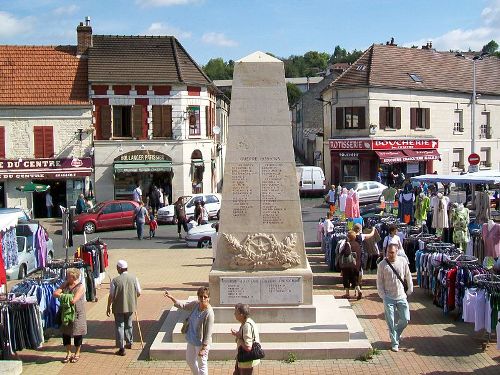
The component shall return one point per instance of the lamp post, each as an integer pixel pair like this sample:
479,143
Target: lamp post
474,97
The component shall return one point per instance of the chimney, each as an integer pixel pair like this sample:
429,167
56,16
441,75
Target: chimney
84,37
391,43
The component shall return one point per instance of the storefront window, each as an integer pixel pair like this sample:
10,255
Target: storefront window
350,170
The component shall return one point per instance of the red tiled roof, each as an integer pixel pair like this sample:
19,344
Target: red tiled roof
42,75
390,66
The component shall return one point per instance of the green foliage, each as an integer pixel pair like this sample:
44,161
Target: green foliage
293,93
492,48
368,355
291,358
340,55
218,69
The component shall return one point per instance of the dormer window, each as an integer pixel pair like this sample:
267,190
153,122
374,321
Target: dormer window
415,77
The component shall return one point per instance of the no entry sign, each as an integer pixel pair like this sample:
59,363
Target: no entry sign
474,159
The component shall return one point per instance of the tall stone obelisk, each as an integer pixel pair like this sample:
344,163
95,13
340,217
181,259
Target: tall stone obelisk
260,255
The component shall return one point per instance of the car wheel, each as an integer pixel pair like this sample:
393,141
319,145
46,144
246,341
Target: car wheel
22,272
205,243
49,257
89,227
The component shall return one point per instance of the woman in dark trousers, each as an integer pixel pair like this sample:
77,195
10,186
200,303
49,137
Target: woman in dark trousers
180,215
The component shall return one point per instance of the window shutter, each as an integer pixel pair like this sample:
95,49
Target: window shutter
48,142
38,141
166,120
361,118
397,114
382,117
207,123
339,117
137,121
427,118
157,121
2,142
413,118
105,118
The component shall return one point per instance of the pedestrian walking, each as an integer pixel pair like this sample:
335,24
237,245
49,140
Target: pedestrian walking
245,336
331,198
204,214
49,203
122,300
350,264
140,216
81,206
137,193
392,275
153,225
198,329
180,216
71,293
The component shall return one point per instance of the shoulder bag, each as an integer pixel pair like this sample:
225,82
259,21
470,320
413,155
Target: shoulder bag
405,284
347,257
255,353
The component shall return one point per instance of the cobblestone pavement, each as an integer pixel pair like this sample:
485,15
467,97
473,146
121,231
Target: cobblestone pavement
434,343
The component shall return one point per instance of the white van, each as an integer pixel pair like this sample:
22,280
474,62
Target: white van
311,180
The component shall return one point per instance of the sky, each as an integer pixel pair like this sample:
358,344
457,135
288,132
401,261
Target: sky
232,29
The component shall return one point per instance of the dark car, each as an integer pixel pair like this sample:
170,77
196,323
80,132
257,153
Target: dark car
113,214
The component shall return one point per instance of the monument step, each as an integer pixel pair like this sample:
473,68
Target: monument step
270,314
274,351
278,332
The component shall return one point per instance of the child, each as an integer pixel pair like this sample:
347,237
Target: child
153,224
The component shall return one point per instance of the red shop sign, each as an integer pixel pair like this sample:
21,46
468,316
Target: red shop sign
401,144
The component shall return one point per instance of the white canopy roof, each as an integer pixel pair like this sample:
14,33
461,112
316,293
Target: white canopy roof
482,177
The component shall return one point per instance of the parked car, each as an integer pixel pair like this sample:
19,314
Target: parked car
26,237
212,204
21,214
201,235
112,214
368,191
311,180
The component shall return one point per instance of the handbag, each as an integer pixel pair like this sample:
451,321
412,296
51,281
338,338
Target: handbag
58,317
404,282
347,257
255,353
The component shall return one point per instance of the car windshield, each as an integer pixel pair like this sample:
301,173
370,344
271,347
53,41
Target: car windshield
96,208
350,185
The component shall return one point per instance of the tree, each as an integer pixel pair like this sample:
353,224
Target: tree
491,48
218,69
293,93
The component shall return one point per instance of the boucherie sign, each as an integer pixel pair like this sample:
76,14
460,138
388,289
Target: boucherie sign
382,144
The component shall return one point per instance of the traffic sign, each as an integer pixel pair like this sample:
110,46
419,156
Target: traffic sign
474,159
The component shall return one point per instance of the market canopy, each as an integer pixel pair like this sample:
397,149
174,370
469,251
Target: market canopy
31,187
482,177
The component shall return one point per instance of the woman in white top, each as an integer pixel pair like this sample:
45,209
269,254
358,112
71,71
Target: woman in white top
395,239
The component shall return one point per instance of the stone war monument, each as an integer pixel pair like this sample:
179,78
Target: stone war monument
260,256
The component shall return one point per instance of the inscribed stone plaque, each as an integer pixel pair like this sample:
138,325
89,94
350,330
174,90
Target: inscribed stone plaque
275,290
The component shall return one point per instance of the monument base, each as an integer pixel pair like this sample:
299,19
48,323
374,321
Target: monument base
336,333
290,287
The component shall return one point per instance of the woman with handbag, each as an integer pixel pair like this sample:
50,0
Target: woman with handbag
73,320
350,264
247,341
198,329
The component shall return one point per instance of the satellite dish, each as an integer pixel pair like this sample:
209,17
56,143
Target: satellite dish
216,130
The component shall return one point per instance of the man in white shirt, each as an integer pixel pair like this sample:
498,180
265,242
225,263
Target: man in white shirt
137,193
48,203
390,288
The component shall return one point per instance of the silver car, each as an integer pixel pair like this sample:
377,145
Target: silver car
368,191
212,204
26,237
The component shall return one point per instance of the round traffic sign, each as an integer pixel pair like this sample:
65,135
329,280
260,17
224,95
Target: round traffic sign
474,159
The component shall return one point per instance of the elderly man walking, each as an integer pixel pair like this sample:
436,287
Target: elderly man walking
123,293
392,274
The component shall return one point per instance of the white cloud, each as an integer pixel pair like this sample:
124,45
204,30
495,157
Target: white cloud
66,10
11,26
159,28
461,39
218,39
164,3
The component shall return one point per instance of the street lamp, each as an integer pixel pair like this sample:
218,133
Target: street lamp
474,97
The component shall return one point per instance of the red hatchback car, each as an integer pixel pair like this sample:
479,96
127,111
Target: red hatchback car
106,215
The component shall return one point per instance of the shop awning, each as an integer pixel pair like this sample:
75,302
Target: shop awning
391,157
422,155
403,156
142,167
483,177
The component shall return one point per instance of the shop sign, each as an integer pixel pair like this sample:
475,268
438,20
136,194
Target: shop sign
142,155
349,154
383,144
45,168
401,144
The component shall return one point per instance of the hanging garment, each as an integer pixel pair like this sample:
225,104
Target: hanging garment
10,249
342,200
491,240
460,224
41,238
482,204
405,207
355,205
349,209
422,207
440,214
